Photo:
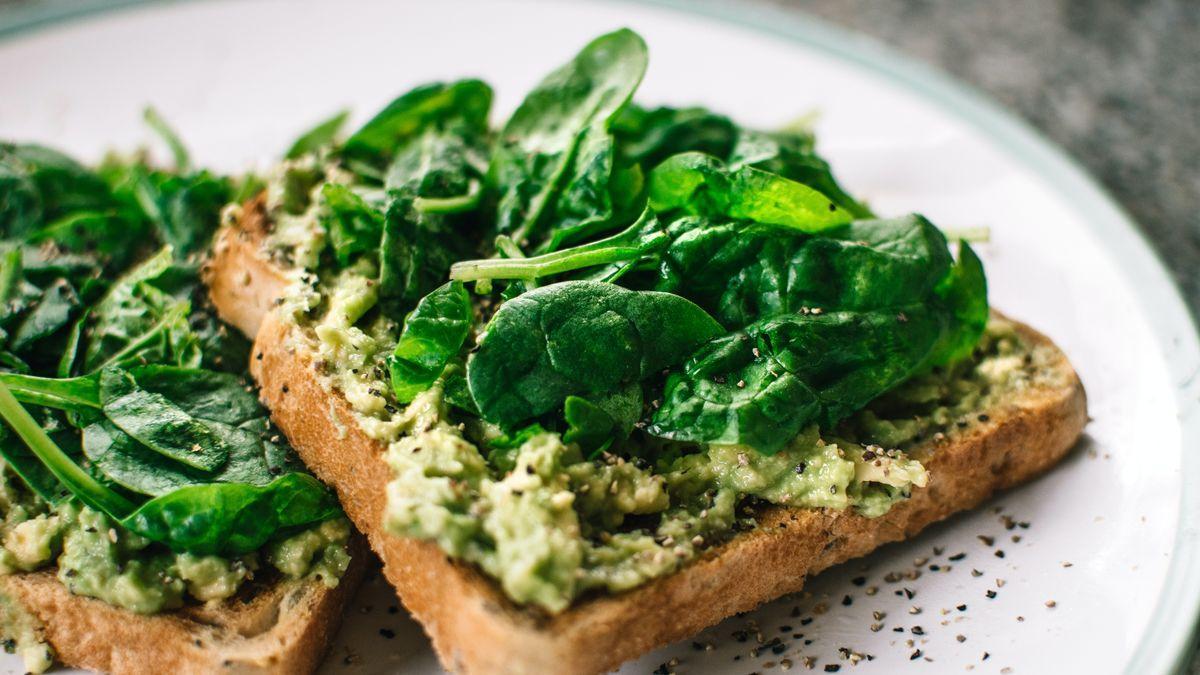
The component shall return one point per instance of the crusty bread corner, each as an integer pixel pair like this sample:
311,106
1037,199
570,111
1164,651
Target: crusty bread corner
476,630
278,627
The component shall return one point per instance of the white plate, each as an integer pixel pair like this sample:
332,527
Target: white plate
239,79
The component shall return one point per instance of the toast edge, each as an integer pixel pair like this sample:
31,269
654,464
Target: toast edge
283,628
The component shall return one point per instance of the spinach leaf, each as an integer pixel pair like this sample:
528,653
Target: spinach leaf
702,185
465,102
184,209
554,164
647,137
964,293
142,315
320,136
578,338
159,424
595,424
433,334
792,154
39,185
232,518
742,272
442,167
354,226
761,386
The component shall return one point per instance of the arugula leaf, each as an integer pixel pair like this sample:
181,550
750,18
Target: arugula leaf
578,338
554,163
433,334
320,136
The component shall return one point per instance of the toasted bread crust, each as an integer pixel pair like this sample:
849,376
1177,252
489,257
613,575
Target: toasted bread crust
281,627
476,630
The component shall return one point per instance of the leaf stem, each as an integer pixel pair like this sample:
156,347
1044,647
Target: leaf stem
63,394
82,485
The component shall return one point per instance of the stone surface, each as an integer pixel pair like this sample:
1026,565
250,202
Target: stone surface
1116,83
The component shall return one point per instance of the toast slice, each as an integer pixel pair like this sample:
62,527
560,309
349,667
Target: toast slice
476,630
273,627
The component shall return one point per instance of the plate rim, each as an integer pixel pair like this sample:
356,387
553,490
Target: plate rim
1168,642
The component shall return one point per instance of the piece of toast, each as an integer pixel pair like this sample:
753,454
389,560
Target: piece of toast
282,626
475,629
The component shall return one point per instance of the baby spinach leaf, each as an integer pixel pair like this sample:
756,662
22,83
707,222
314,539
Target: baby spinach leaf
354,226
792,154
465,102
578,338
39,185
595,424
57,306
320,136
647,137
742,273
964,292
185,209
701,184
159,424
232,518
141,315
81,484
762,386
179,151
253,460
442,167
554,162
433,334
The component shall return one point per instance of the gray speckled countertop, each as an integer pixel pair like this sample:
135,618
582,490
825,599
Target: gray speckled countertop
1114,82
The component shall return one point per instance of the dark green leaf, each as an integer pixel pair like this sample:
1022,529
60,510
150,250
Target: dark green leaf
159,424
433,334
354,226
232,518
578,338
466,101
702,185
321,135
555,159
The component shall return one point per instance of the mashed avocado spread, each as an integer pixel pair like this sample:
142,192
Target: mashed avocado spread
549,523
97,558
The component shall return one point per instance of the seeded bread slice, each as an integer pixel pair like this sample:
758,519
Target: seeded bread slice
476,630
276,627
